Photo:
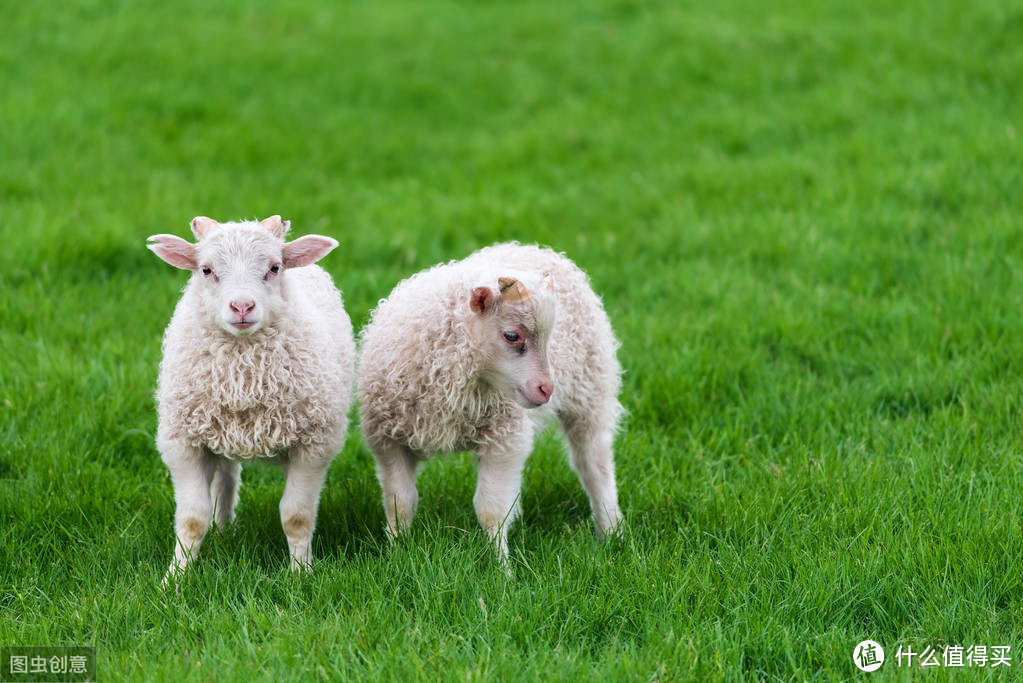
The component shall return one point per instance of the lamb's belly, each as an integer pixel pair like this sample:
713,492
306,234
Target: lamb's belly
430,450
252,433
429,436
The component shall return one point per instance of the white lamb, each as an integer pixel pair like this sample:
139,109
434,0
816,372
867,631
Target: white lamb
258,363
467,356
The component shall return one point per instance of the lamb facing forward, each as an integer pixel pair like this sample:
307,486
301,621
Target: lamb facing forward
467,356
258,363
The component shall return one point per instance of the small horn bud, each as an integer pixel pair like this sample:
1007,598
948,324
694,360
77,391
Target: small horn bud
276,226
512,291
203,226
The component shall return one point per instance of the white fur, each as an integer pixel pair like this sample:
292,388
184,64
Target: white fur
279,391
434,378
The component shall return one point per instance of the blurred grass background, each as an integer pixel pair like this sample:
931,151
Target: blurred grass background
803,218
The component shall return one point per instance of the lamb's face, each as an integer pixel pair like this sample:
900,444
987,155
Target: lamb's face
240,268
516,322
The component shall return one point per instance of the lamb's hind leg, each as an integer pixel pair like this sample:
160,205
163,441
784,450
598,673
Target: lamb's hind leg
304,474
396,471
591,455
191,470
224,492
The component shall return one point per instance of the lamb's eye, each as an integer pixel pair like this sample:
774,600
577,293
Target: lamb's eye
206,270
512,337
275,268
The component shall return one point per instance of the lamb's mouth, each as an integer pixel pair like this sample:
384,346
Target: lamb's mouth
527,402
244,324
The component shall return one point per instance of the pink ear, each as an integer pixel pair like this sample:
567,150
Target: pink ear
175,251
482,300
306,250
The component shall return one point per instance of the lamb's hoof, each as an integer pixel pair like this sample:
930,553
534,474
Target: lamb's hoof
506,565
614,530
397,531
503,558
170,578
225,528
301,566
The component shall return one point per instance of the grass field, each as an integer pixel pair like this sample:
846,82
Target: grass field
804,219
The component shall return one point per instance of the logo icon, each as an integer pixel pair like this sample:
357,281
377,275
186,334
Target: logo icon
868,655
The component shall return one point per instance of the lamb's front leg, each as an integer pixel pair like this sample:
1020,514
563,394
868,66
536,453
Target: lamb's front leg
304,474
498,488
191,471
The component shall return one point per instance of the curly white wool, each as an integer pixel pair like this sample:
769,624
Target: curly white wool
257,396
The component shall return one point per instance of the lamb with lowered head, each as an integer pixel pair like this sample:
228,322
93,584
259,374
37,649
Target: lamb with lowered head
478,355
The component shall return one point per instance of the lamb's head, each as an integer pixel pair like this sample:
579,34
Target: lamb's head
240,268
514,317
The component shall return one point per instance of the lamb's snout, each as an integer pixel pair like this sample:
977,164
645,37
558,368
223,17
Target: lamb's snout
538,392
239,309
242,308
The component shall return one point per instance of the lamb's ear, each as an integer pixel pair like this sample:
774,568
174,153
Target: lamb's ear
482,300
203,226
512,290
175,251
306,250
276,226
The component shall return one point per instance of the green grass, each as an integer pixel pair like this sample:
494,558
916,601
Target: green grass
804,219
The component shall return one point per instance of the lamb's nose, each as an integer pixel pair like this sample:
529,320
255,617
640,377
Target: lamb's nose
243,308
546,390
